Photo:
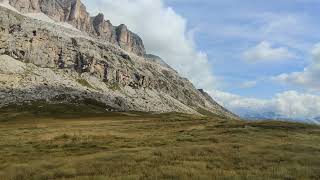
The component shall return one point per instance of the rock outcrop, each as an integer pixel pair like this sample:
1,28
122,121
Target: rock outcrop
57,64
26,6
119,35
75,13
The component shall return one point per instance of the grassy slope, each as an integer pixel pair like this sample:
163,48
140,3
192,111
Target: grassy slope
74,142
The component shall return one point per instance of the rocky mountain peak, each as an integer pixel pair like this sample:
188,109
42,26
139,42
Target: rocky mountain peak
100,26
74,12
98,19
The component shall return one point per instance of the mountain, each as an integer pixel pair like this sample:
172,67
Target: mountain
276,116
54,52
262,116
75,13
316,120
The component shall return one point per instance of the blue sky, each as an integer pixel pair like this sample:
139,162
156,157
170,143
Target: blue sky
225,29
253,57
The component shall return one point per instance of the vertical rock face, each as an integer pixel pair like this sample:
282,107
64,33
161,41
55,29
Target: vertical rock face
103,29
78,16
119,35
122,34
129,41
26,6
100,26
75,10
52,9
75,13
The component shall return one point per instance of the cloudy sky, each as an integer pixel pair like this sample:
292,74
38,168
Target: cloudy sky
252,56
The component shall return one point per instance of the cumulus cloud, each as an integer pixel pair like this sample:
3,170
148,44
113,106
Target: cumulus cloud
264,52
296,105
164,33
289,104
309,77
241,105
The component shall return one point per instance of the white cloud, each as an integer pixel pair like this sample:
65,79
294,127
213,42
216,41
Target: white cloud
284,24
264,52
289,104
309,77
249,84
295,105
239,104
164,33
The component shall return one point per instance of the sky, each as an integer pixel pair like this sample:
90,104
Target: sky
253,57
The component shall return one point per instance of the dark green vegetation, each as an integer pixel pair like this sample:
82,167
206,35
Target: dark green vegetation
83,142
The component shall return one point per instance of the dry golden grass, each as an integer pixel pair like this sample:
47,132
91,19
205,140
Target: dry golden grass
46,143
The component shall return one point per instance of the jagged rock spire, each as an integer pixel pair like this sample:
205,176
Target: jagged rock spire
74,12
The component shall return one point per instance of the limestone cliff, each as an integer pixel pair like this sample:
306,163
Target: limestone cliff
46,61
75,13
26,6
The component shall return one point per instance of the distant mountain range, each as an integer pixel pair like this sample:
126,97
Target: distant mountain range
276,116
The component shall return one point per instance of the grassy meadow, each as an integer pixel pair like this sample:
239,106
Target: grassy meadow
84,143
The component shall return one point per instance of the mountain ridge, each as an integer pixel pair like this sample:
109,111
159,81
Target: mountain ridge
74,12
276,116
58,64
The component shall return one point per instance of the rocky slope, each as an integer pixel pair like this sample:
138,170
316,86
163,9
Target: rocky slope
45,61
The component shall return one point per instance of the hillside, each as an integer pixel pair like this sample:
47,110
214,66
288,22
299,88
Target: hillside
64,142
56,52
